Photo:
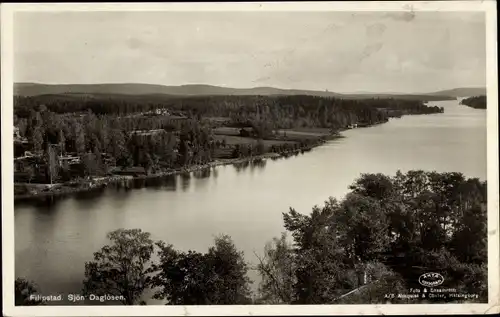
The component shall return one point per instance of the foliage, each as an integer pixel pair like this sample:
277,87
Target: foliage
477,102
322,273
382,236
277,269
362,227
217,277
382,281
121,268
23,290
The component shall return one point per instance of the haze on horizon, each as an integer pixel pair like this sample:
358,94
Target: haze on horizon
336,51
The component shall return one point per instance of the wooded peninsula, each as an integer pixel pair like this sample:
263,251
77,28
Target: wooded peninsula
476,102
75,142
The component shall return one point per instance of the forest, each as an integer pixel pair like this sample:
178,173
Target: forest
378,240
477,102
159,133
321,111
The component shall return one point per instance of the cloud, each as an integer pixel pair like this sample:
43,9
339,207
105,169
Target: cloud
305,50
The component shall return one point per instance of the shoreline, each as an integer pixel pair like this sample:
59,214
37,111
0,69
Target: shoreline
99,183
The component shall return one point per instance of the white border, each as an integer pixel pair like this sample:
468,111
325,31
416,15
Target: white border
492,307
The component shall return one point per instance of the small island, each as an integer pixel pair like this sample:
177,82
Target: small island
476,102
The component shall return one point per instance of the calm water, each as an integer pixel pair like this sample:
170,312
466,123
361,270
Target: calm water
52,243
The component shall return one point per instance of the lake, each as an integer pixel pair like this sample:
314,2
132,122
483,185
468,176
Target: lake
53,242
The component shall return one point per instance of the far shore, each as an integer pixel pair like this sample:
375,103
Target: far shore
97,183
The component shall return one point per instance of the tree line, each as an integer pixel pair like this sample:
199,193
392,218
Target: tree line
100,129
477,102
281,111
97,137
386,232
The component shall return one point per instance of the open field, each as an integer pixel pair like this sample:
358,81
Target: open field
233,140
302,134
217,119
316,131
306,133
227,131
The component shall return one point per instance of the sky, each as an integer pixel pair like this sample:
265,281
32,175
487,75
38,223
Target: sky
335,51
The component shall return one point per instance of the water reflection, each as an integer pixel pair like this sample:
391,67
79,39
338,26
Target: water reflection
185,180
89,199
154,183
139,183
44,227
121,197
167,182
240,166
46,205
202,173
201,177
41,203
215,172
170,182
259,163
253,165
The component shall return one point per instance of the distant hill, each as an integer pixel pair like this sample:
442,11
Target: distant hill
461,92
33,89
423,97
